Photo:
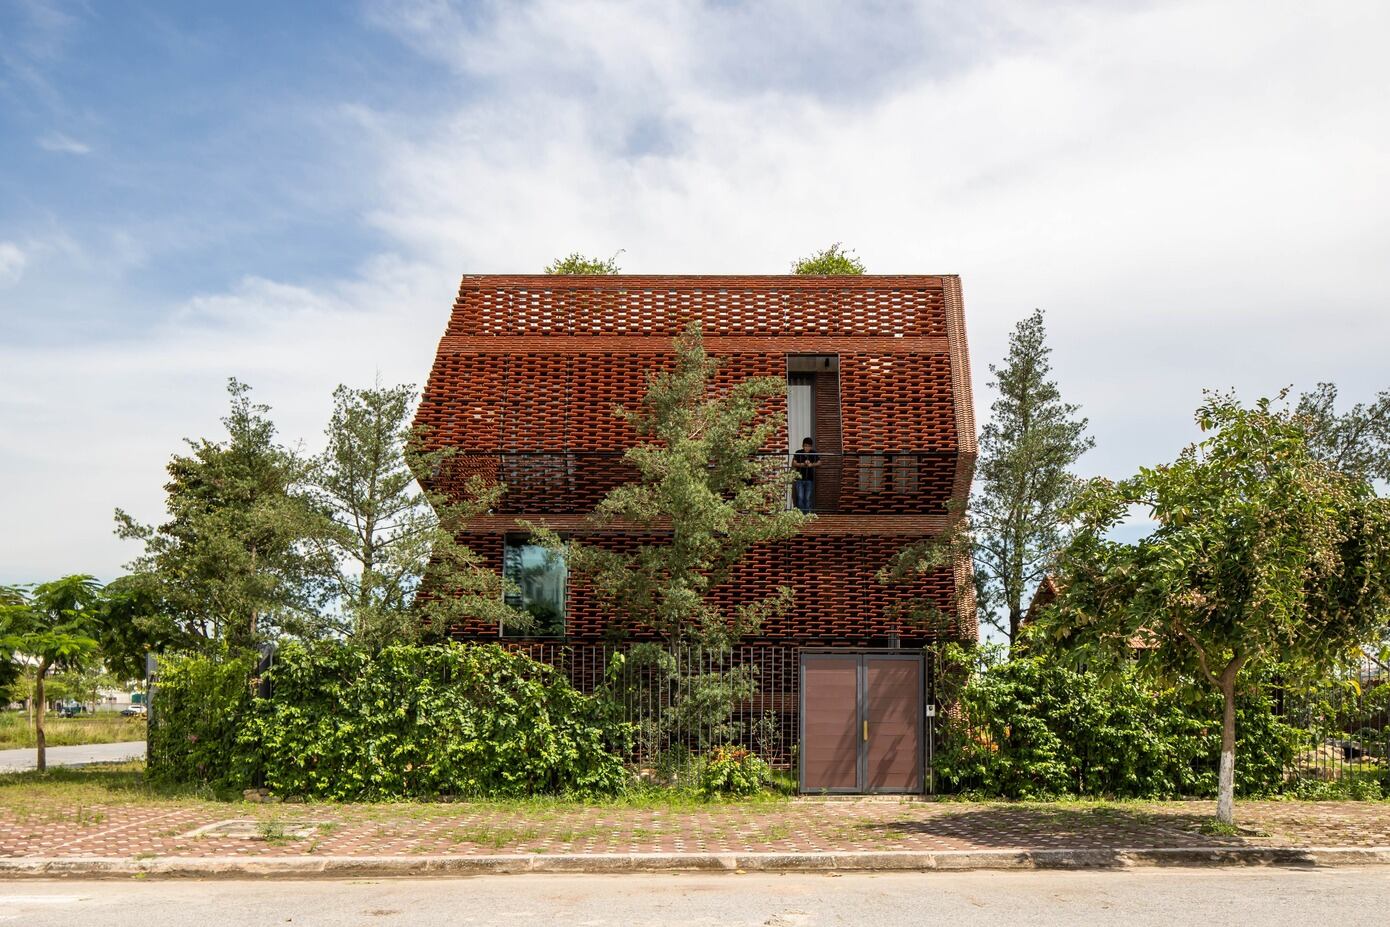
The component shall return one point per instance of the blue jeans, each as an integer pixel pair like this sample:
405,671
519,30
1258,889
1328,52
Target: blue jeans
801,494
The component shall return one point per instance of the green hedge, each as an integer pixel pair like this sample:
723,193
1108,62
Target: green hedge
407,722
198,705
1032,728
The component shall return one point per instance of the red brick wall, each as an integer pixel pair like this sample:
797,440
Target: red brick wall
530,368
838,599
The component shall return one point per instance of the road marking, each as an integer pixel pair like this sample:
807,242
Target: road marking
39,899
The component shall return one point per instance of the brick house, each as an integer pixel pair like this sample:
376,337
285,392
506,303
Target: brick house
877,371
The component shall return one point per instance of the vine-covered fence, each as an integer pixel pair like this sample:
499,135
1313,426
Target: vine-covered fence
681,702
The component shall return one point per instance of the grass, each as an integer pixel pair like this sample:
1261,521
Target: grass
100,786
494,837
109,785
17,730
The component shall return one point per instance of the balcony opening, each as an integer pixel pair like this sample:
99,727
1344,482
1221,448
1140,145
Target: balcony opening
813,411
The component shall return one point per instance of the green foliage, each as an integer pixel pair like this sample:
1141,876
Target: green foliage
701,705
237,560
580,265
457,584
134,623
923,558
10,596
733,771
835,261
1035,728
54,622
55,625
81,684
1023,479
408,721
387,533
1356,442
704,487
1361,786
198,706
1263,557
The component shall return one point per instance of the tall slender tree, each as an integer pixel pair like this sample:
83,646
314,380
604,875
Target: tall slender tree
703,486
388,532
1024,477
234,561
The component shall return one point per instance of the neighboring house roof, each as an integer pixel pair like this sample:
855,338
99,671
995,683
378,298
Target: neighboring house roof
1043,596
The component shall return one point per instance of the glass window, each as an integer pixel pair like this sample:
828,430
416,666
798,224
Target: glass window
870,468
539,575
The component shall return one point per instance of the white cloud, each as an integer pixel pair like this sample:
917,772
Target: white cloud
12,261
1195,192
63,144
88,427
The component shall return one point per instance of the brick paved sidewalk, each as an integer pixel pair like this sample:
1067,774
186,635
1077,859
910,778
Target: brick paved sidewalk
108,813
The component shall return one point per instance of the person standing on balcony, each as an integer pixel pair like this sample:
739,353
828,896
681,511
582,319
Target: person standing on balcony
805,462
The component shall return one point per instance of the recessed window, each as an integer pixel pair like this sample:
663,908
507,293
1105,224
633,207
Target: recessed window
871,472
539,576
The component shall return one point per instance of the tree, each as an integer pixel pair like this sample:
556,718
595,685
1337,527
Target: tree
388,531
704,486
53,625
920,559
1357,441
133,622
835,261
1027,450
234,561
581,265
1263,558
10,669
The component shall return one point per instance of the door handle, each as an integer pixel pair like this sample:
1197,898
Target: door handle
866,730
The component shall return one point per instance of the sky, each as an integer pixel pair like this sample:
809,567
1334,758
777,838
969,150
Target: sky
1197,194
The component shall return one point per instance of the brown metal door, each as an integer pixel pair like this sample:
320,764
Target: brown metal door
830,723
893,738
861,722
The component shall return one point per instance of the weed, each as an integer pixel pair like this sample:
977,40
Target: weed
1214,828
272,831
495,837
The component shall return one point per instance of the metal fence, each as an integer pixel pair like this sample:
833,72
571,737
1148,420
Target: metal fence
1345,727
681,701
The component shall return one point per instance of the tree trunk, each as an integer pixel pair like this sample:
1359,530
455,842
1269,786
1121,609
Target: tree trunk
1015,620
39,739
1226,783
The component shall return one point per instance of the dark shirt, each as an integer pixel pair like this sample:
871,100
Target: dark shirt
805,457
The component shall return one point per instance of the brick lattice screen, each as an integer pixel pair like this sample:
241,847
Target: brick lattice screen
530,368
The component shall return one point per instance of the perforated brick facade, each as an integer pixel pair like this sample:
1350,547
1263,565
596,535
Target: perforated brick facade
530,368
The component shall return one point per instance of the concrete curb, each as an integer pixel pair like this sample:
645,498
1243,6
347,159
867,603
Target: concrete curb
338,867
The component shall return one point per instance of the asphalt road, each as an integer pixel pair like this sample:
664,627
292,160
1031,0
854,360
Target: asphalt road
19,760
1133,898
